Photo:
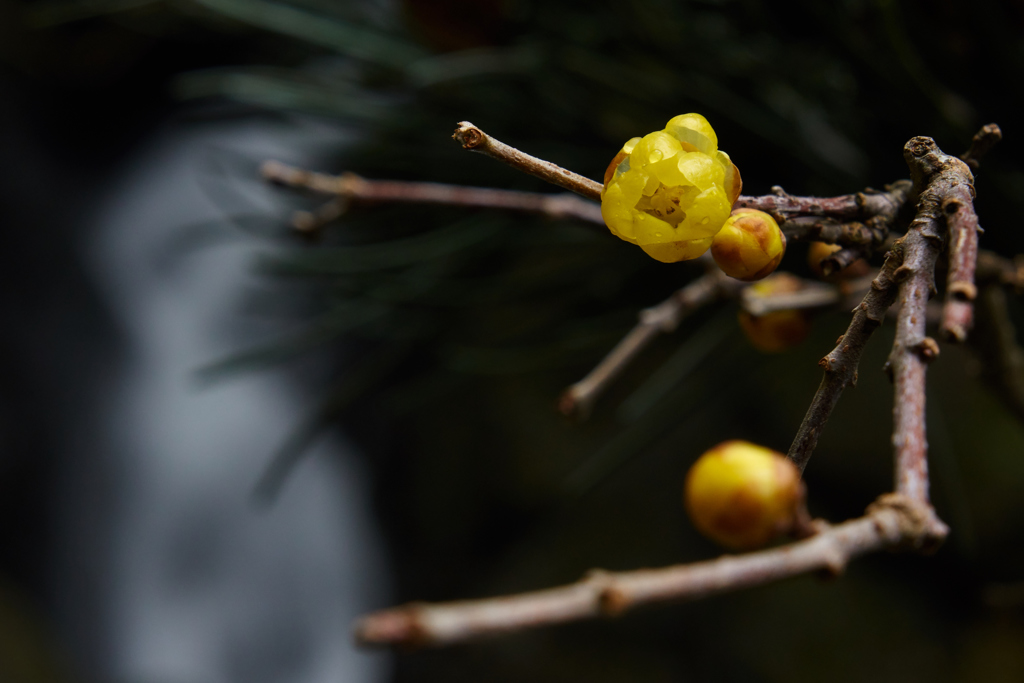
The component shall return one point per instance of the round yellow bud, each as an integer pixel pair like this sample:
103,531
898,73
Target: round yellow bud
776,331
749,246
742,495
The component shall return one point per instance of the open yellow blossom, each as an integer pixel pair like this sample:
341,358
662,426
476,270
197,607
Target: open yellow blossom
671,191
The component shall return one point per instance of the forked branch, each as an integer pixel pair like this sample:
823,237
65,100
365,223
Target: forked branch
578,400
940,177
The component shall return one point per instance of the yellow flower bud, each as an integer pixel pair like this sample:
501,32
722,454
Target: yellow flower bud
742,495
749,246
779,330
670,191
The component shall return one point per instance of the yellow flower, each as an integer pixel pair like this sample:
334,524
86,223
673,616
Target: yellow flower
749,246
743,495
670,191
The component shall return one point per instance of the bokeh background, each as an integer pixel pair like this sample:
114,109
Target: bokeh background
219,442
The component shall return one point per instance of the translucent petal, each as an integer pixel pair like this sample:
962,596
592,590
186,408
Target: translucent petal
654,147
694,129
618,213
672,252
708,213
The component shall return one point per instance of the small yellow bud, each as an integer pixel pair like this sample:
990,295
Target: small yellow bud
749,246
819,251
779,330
742,495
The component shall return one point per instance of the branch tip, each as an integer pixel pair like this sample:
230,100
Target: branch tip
983,141
468,135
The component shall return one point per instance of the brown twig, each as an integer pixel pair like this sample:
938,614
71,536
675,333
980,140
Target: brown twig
982,142
578,400
939,176
783,206
837,261
993,268
958,312
809,295
962,223
854,220
1002,358
310,222
892,522
472,138
353,188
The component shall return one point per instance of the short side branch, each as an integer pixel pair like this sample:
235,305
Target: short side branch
1002,358
962,222
578,400
892,522
472,138
982,142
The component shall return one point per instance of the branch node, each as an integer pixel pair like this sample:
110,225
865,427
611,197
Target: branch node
902,273
954,332
611,599
914,526
835,561
963,291
928,348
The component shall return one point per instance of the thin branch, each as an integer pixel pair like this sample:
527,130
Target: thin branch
939,177
958,312
809,295
845,257
983,141
993,268
579,399
893,522
1002,358
310,222
962,221
354,188
853,220
841,364
472,138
